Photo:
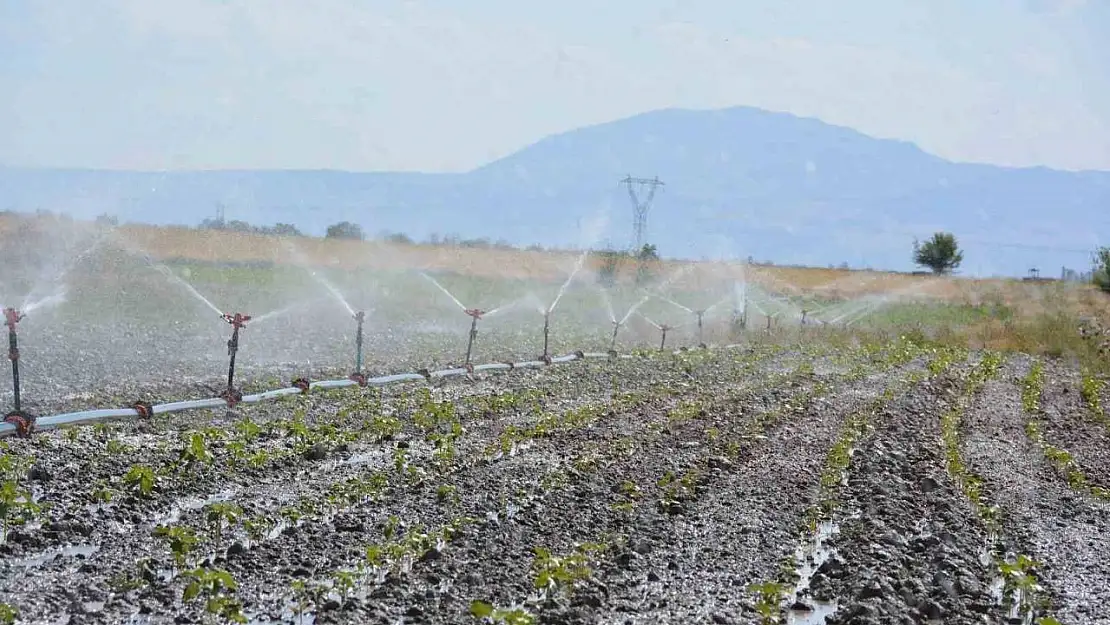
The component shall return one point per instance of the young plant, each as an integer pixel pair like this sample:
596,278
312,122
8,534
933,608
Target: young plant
9,614
141,480
195,450
500,616
222,513
17,506
214,585
768,600
182,541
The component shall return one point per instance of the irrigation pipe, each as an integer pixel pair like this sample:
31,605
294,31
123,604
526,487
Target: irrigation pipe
141,411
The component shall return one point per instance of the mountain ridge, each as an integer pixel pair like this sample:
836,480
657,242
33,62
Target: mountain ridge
772,185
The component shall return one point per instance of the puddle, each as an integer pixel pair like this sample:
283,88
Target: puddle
174,515
288,615
809,557
48,556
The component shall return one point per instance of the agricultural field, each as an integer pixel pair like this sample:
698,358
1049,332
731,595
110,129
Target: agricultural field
939,460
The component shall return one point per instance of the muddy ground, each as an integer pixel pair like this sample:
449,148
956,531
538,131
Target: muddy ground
775,483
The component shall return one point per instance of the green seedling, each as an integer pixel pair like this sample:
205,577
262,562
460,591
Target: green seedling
9,614
247,430
258,527
141,480
500,616
768,600
214,585
195,450
222,513
17,506
344,583
182,541
447,492
559,574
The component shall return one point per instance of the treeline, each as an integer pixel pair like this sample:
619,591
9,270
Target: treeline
353,231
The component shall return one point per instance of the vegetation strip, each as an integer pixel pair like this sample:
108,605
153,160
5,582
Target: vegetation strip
770,597
677,488
1022,591
1032,387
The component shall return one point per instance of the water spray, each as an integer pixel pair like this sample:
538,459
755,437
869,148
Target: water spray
358,376
22,421
475,315
237,322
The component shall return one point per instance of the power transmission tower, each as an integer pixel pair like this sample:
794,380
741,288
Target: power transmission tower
640,206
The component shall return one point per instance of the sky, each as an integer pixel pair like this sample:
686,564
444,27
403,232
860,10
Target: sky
444,85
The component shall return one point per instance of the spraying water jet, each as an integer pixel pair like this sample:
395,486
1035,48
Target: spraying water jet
23,421
237,322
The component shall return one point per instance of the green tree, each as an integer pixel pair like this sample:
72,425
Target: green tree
941,253
344,230
1101,273
610,265
646,260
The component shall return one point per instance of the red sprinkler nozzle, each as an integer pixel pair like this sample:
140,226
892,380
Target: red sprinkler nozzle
475,312
12,317
238,320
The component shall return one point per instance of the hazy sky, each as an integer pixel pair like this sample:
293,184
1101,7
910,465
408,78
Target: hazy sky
446,85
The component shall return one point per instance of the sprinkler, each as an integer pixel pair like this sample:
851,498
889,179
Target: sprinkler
546,357
23,422
700,314
804,311
613,342
663,342
358,376
237,321
476,314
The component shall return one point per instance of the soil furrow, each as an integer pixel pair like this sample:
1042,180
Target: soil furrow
1067,531
1069,423
909,543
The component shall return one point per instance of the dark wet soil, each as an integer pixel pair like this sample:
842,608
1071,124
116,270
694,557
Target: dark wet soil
652,490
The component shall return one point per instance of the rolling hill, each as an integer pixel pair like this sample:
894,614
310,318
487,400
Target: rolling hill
739,181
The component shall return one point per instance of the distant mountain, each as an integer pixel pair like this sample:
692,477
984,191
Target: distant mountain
738,181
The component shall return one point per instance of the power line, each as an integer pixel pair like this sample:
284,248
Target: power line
640,206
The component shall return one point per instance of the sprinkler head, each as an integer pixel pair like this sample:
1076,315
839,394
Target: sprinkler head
238,320
232,396
12,317
359,316
24,422
475,312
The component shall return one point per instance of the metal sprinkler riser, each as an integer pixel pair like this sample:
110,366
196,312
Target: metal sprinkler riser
23,421
546,356
237,321
358,376
475,314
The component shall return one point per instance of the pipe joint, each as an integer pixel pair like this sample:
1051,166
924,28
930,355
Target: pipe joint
358,377
302,384
23,421
144,409
232,396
